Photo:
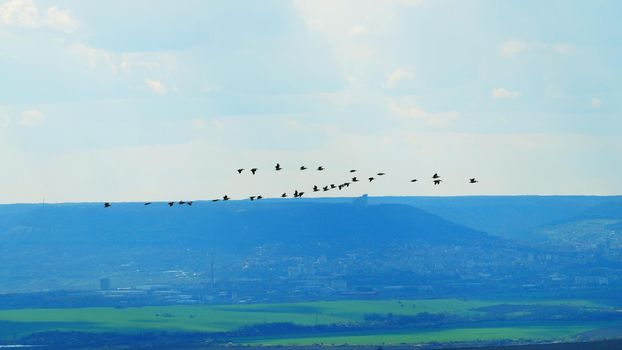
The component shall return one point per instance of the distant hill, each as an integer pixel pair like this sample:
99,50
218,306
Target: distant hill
73,245
596,226
514,217
233,224
69,242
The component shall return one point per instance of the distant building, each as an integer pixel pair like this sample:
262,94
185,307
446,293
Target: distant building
104,284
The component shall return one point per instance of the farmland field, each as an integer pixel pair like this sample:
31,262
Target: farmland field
226,318
547,332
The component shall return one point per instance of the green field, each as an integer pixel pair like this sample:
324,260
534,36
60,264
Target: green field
218,318
446,335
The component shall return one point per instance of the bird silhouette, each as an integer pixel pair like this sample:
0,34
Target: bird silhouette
332,186
371,179
215,200
253,170
435,176
259,197
437,182
170,204
189,203
325,188
346,184
240,170
340,187
225,198
303,168
106,205
315,188
284,195
353,170
300,194
182,202
320,168
381,174
473,181
413,180
147,203
354,179
278,167
296,194
252,198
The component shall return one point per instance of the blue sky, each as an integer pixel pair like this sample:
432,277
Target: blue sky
158,100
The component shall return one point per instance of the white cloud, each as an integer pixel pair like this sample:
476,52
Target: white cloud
93,56
596,103
25,14
514,47
563,49
397,75
292,124
5,119
504,93
61,20
32,118
209,88
358,30
202,124
198,124
410,2
408,108
156,86
20,13
123,62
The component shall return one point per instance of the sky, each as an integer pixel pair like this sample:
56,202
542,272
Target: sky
162,100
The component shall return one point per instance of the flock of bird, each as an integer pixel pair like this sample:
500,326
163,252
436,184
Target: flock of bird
436,180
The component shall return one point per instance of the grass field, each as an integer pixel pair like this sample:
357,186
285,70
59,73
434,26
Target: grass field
547,332
216,318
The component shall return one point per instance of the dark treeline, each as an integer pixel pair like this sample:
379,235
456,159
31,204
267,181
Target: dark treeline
196,341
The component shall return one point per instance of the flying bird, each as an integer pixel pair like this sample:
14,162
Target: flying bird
303,168
380,174
332,186
225,198
252,198
284,195
106,205
473,181
325,188
353,170
240,170
354,179
315,188
253,170
437,182
413,180
189,203
435,176
320,168
148,203
296,194
170,204
371,179
300,194
182,202
215,200
340,187
259,197
278,167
